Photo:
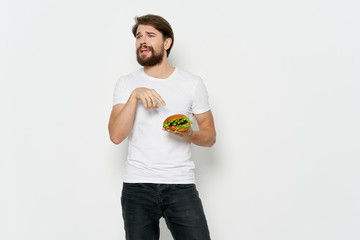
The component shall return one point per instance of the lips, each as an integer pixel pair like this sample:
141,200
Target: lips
144,50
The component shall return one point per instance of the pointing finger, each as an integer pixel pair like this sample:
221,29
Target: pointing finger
158,97
144,102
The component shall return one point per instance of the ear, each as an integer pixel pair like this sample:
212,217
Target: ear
167,43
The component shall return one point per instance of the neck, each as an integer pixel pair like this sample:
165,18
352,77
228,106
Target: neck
162,70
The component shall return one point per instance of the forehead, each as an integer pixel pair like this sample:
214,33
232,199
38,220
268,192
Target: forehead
146,28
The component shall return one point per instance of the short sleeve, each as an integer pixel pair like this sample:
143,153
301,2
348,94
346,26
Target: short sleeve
200,98
121,93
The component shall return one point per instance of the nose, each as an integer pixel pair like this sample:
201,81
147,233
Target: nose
142,40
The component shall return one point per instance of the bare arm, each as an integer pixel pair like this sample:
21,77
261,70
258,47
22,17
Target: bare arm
206,136
123,115
121,121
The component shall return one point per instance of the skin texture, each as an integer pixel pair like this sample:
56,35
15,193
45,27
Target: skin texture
123,115
206,136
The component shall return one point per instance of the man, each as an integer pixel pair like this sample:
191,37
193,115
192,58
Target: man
159,179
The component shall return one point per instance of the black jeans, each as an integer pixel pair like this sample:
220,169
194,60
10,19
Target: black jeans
143,204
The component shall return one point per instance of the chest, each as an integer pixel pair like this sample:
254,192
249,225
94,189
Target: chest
178,98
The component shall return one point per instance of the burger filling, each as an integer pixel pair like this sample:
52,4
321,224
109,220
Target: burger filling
179,123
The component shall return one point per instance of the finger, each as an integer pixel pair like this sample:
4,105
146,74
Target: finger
150,101
154,102
144,102
168,130
158,97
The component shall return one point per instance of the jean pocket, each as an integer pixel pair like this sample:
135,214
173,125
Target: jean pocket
185,186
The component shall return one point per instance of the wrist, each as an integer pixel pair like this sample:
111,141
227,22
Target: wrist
133,96
190,135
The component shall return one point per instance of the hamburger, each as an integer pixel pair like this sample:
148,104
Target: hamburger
177,122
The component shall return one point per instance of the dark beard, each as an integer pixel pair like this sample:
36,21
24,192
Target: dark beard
151,61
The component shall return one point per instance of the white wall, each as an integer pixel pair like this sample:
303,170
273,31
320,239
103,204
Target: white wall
283,78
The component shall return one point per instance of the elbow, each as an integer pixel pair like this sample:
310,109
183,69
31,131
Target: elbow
113,137
116,137
115,140
212,142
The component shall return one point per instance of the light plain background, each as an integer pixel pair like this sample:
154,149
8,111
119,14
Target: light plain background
283,78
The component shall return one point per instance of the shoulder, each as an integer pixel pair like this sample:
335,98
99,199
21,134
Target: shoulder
188,75
189,78
128,77
129,81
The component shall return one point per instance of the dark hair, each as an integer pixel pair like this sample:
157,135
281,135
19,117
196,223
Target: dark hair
159,23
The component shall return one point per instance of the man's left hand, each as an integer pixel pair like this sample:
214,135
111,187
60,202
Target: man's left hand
186,135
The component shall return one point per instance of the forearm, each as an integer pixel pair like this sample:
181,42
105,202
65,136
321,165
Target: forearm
123,116
204,137
121,124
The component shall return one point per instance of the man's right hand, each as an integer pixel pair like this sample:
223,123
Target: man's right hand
123,115
148,97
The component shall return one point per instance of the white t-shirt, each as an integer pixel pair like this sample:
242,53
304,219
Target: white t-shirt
154,155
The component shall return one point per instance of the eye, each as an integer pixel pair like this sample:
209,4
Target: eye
138,37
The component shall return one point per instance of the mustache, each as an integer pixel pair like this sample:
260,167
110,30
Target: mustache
144,46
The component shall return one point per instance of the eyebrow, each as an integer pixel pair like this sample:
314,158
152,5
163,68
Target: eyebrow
146,32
